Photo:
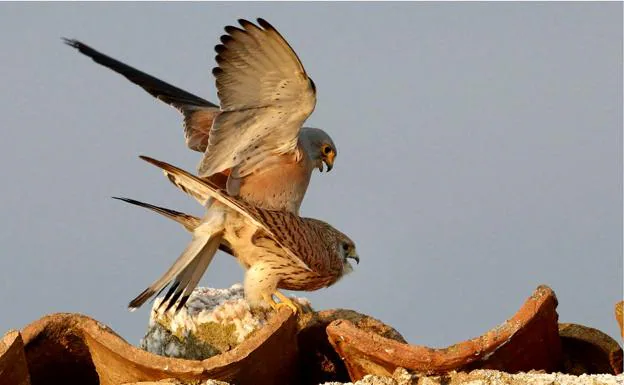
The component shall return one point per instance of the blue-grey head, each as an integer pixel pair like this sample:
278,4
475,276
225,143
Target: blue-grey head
319,147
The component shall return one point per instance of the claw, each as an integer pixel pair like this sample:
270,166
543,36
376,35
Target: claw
284,301
288,302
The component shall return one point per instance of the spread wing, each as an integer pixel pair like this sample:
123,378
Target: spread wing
198,113
287,229
265,97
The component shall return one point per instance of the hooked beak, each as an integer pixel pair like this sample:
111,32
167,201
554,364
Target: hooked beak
355,257
329,161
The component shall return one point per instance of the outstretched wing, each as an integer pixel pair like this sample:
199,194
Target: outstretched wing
198,113
287,229
265,97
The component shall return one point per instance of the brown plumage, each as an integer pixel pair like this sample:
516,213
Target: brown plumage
278,249
253,143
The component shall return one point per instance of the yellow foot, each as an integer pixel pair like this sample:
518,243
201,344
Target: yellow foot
284,302
288,302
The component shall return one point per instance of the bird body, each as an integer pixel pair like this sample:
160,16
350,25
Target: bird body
269,267
292,170
254,144
257,164
278,249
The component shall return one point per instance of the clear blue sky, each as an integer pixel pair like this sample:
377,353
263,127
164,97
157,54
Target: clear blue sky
480,155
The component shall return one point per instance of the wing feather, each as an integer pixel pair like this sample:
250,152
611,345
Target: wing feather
198,113
189,222
265,96
193,250
277,224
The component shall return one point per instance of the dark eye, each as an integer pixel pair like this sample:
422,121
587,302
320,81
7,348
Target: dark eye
345,247
327,149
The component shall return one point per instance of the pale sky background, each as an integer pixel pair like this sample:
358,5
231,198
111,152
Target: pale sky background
480,155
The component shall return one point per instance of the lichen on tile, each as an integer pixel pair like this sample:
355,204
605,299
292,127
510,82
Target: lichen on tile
213,321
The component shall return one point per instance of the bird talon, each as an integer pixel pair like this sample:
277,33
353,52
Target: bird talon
287,302
284,301
290,305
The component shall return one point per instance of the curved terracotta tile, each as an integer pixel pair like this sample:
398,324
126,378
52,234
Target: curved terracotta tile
13,367
75,349
528,340
589,351
319,362
619,316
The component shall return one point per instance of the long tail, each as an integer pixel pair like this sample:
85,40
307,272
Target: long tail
198,113
202,189
181,289
189,222
159,89
187,270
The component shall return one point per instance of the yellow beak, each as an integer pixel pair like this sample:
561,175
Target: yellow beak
329,160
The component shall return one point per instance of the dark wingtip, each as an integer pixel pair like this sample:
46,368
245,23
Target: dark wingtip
220,48
244,22
312,85
264,24
131,201
150,160
172,296
167,298
155,162
71,42
77,44
140,299
172,302
231,29
182,302
226,39
175,297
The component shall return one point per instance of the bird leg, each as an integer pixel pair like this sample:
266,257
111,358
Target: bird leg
276,305
288,302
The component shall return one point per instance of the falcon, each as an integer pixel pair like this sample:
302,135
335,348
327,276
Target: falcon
254,144
277,249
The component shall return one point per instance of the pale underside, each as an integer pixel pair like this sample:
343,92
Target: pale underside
265,96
